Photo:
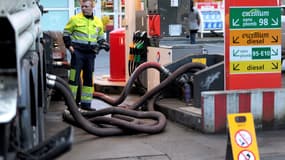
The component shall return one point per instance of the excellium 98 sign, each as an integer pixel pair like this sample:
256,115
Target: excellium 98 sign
255,18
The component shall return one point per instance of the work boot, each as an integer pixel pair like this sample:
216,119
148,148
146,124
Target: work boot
86,107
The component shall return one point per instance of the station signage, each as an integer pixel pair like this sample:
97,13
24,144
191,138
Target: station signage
255,37
255,67
212,19
255,40
255,17
248,53
252,45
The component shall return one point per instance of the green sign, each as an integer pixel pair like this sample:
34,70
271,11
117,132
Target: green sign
241,18
261,53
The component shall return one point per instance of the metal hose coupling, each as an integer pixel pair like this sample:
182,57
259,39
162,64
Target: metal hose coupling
64,64
182,80
164,72
50,76
50,82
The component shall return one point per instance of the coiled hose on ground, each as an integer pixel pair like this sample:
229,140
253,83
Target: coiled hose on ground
96,123
123,121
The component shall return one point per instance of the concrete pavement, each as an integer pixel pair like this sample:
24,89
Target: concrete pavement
176,142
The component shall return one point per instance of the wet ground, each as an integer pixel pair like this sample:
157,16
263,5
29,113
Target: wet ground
176,142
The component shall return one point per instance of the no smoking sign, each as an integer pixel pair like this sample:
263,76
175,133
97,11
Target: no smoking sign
243,138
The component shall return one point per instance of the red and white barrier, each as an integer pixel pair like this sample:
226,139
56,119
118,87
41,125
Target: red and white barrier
266,105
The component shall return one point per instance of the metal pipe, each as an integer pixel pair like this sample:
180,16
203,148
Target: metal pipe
23,19
25,42
25,24
12,5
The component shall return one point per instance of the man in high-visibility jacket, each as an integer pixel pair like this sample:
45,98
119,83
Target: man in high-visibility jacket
82,35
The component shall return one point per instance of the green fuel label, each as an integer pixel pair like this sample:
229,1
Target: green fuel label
245,18
261,53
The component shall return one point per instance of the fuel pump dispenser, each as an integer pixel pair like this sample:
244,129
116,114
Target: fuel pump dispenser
153,19
153,22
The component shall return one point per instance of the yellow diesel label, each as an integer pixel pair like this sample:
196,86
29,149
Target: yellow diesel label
255,66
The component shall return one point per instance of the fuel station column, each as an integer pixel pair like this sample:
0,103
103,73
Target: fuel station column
252,44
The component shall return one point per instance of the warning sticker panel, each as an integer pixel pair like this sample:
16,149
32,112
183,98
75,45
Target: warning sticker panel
242,136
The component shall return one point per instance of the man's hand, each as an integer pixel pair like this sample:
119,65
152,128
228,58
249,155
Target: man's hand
71,49
104,45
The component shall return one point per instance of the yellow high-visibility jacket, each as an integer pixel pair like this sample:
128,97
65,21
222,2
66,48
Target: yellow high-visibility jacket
84,30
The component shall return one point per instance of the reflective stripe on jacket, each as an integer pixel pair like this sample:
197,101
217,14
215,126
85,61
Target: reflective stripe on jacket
84,30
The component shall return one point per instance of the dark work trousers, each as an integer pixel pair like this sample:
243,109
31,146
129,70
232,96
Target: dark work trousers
82,61
193,34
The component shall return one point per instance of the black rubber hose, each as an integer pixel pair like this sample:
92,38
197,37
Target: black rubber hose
168,80
126,127
129,84
99,118
59,79
89,127
84,123
151,102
